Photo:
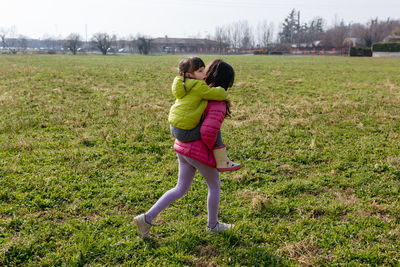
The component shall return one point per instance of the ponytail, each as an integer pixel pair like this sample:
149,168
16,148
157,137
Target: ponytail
184,78
228,108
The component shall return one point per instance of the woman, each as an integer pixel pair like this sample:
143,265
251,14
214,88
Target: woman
197,155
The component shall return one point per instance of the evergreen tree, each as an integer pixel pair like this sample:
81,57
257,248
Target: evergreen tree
290,28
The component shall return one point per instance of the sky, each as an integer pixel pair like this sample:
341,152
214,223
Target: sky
174,18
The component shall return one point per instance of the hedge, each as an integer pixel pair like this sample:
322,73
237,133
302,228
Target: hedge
386,47
360,52
267,52
256,52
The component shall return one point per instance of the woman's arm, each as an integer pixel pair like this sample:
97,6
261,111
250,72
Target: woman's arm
213,118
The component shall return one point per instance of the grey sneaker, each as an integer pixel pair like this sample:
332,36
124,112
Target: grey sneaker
142,225
220,227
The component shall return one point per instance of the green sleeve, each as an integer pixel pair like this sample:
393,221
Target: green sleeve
213,93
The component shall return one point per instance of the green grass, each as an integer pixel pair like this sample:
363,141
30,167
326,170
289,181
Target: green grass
85,146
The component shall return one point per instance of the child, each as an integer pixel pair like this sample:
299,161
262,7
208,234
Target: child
196,155
192,94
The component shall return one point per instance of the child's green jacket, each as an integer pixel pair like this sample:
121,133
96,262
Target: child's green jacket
190,104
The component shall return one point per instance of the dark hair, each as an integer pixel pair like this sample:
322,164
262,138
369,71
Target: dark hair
189,65
220,73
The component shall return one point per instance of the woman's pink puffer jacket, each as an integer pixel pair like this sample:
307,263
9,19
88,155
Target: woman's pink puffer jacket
201,150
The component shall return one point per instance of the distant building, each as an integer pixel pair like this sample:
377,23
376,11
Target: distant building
36,44
351,42
187,45
313,44
393,38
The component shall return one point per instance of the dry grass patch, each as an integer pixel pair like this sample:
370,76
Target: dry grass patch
5,98
394,161
207,254
394,89
258,200
304,252
346,197
23,144
208,251
199,262
378,207
268,114
276,73
242,176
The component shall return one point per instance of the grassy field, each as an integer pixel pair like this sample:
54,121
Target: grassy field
85,146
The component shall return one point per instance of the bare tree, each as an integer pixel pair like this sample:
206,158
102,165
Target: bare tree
22,43
131,41
222,37
9,39
393,27
103,42
50,42
265,33
371,34
236,35
247,37
358,30
218,36
377,31
335,36
73,42
143,44
3,36
374,31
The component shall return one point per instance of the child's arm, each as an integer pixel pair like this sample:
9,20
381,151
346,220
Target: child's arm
213,93
177,88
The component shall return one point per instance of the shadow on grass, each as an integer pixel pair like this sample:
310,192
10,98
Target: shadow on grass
151,242
239,251
229,248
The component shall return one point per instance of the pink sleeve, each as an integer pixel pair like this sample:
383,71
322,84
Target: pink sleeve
214,117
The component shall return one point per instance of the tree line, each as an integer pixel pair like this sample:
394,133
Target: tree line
103,42
237,35
316,32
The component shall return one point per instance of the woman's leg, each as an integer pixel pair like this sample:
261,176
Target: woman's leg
185,179
214,187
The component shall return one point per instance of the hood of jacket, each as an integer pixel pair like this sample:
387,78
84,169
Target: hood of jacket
177,86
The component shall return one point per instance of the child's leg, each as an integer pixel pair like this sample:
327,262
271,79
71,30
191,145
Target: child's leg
186,135
214,186
221,158
185,179
218,142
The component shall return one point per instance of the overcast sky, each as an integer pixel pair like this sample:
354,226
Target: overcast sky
175,18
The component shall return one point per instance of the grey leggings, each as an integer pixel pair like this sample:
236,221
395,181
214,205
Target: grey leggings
192,135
